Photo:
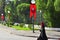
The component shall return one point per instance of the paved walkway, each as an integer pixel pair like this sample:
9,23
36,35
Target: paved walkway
55,35
53,29
4,35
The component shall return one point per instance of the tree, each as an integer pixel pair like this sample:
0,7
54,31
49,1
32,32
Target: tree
23,11
51,10
57,5
48,14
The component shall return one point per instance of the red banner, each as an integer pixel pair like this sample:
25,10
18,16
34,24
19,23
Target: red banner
33,11
2,17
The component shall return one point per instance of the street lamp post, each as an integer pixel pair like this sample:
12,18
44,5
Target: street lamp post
40,15
8,15
8,18
42,35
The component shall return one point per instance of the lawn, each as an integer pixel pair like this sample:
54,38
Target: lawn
20,28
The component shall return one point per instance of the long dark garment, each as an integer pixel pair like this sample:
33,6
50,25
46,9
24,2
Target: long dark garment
42,35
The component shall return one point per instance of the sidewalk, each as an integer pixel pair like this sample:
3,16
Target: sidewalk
53,29
50,34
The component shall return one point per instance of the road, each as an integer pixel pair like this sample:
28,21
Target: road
11,34
4,35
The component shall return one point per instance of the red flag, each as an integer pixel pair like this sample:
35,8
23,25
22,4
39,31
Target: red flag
2,17
33,11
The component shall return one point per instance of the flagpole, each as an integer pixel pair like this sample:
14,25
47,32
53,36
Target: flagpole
33,13
33,23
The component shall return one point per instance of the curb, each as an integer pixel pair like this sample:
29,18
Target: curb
52,29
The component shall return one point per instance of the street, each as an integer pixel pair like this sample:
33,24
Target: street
7,33
4,35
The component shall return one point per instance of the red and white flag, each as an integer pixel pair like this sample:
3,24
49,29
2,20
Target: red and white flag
33,11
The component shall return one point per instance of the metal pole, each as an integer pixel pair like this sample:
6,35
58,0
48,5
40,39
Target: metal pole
42,35
33,23
40,16
8,18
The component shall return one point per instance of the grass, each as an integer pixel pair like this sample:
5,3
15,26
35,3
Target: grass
20,28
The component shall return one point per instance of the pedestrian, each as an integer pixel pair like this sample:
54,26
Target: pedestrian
42,35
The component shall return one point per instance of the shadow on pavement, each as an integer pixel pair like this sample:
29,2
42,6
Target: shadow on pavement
29,36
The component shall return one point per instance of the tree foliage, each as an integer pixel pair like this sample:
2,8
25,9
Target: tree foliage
57,5
23,11
49,8
51,11
19,10
41,4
